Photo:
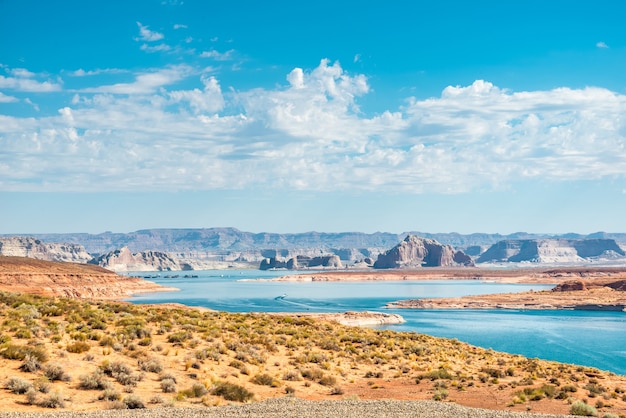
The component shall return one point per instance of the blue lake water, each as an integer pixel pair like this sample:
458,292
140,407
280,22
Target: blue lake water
596,339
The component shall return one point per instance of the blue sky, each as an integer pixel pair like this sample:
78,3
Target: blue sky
482,116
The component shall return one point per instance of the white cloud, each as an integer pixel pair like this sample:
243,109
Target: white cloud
145,83
208,100
155,48
218,56
309,134
82,73
602,45
147,35
7,99
180,26
24,81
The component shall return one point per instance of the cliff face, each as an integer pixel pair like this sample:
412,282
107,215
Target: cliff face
551,251
27,275
301,262
421,252
124,260
49,251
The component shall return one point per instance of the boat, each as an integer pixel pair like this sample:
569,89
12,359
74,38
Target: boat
281,297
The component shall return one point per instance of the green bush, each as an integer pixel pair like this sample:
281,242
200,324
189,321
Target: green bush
265,380
232,392
78,347
582,409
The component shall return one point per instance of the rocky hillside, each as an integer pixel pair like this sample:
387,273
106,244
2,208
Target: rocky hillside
28,275
421,252
124,260
551,251
49,251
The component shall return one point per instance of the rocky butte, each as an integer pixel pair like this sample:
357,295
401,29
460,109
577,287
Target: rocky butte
421,252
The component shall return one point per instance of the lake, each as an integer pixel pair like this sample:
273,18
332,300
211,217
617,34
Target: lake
593,339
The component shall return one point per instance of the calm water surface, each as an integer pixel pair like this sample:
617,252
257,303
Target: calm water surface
596,339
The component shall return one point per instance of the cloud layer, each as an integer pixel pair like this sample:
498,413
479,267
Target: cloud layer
306,134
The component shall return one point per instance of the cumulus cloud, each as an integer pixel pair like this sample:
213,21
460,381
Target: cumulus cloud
208,100
602,45
180,26
310,134
147,35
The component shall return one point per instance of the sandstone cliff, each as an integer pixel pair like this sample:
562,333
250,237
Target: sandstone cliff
27,275
302,262
421,252
552,251
124,260
49,251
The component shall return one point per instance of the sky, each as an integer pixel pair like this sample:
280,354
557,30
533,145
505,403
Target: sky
331,116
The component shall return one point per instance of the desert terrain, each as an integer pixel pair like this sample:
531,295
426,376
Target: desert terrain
80,353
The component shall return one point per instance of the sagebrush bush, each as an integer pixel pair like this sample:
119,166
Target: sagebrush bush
133,402
19,386
54,400
56,372
231,392
94,381
78,347
168,385
583,409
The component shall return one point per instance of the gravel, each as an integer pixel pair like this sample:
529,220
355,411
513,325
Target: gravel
289,407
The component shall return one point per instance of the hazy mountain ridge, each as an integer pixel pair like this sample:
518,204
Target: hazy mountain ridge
232,239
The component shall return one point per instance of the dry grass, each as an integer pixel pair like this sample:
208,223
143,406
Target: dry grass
95,355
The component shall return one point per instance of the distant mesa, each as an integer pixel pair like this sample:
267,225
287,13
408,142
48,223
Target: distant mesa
301,262
47,251
551,251
123,260
421,252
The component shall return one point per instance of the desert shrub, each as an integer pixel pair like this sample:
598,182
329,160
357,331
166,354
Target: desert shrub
231,392
495,373
371,374
133,402
151,365
440,395
168,385
19,386
24,334
609,415
32,396
197,390
164,376
327,380
312,374
54,400
178,337
156,399
265,380
441,373
289,390
78,347
56,372
292,376
94,381
336,391
12,351
110,394
582,409
30,364
42,384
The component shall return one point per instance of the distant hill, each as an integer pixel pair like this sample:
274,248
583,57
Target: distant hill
231,239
